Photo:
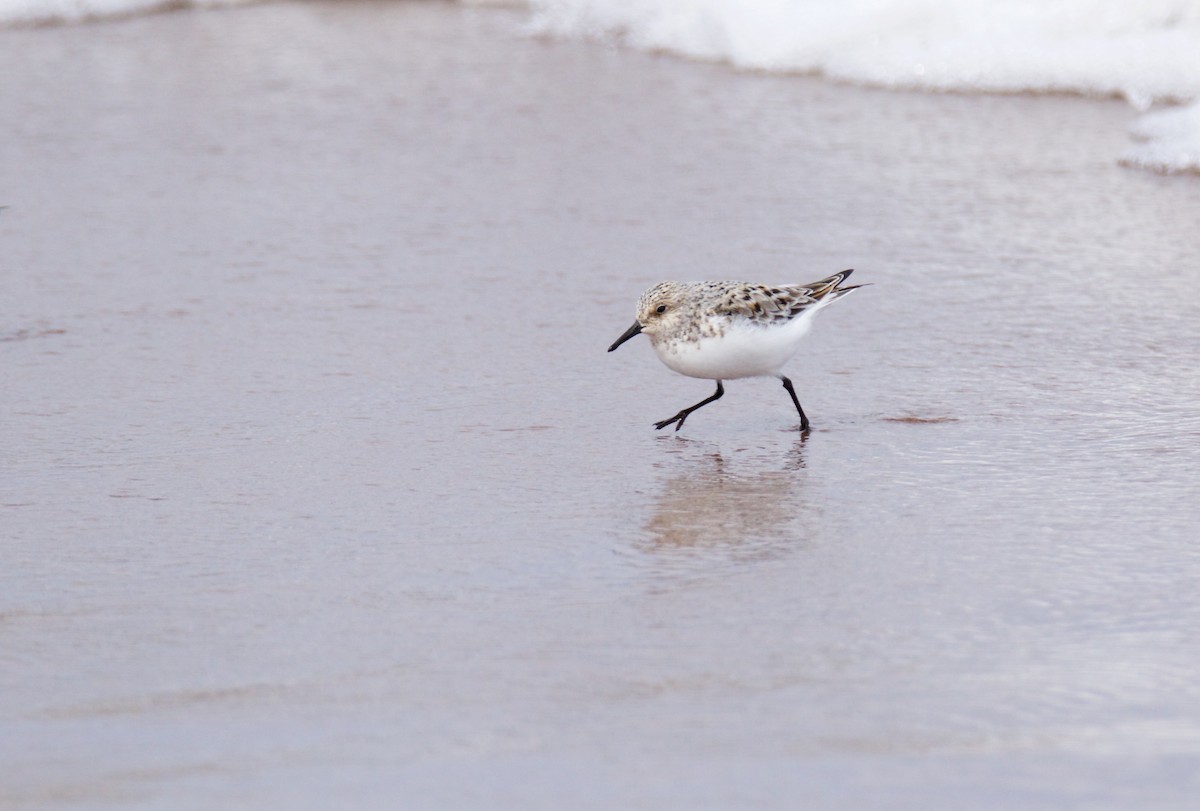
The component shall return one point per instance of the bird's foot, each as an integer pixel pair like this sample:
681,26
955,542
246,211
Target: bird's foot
678,418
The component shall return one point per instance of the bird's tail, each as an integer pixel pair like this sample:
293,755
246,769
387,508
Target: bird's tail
831,286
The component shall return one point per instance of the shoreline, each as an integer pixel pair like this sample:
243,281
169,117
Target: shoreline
311,423
1164,136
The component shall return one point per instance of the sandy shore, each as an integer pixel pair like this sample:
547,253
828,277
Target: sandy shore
318,483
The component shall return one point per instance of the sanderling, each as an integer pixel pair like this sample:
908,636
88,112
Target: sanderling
729,330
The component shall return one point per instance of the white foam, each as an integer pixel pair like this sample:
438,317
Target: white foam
1145,52
42,12
1167,140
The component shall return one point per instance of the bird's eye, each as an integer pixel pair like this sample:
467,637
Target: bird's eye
662,308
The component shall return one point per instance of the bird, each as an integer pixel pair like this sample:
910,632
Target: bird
728,330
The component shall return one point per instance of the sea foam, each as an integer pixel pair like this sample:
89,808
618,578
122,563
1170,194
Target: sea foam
1146,52
44,12
1167,140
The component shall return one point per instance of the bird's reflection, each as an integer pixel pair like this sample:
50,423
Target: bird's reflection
737,505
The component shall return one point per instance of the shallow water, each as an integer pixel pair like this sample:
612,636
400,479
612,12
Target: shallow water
319,483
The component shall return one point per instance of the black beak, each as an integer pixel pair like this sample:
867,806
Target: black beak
625,336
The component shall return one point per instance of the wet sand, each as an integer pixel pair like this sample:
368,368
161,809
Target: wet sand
319,486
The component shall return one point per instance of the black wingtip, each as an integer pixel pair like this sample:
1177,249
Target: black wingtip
845,274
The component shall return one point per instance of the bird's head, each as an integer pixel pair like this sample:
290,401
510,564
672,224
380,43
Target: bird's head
658,311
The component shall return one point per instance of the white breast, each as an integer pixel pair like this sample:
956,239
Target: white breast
745,350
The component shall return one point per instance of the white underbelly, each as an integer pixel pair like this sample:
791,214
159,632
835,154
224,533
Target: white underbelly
747,350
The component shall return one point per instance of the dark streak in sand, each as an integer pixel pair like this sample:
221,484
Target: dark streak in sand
26,334
914,420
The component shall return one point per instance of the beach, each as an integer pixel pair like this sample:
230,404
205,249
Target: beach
318,485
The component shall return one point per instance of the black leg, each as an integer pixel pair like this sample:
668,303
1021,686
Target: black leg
787,384
683,415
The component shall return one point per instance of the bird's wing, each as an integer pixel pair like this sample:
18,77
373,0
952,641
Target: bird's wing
766,305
